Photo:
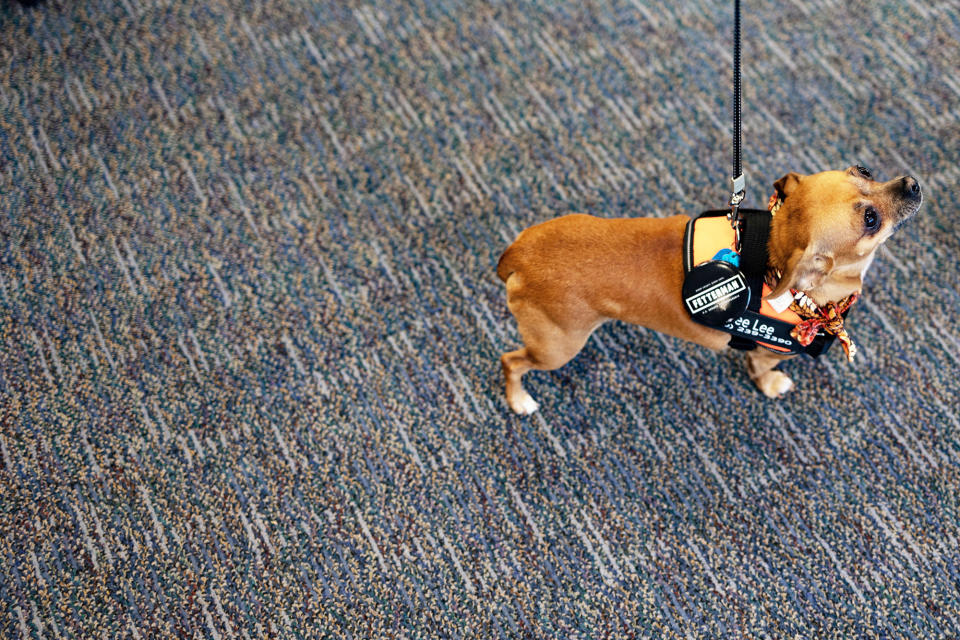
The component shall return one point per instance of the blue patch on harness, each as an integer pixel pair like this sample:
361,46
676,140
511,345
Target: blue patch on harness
728,255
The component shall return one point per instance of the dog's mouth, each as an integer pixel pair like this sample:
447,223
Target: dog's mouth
907,190
907,210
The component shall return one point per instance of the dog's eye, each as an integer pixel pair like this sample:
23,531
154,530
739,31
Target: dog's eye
871,219
864,171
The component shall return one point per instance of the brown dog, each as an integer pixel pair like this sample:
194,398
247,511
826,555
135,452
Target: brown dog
567,276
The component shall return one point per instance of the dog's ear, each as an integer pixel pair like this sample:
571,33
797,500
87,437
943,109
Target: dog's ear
787,184
805,270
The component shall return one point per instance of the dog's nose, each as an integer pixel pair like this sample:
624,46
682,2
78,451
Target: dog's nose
910,187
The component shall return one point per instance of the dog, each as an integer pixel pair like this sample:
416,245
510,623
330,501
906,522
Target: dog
567,276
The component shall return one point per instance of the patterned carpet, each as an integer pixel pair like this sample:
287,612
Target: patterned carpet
250,325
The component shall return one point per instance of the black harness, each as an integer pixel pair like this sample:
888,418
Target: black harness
723,296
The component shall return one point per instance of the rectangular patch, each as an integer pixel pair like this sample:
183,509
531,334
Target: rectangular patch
716,294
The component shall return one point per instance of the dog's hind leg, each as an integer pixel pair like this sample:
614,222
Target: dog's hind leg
515,364
546,347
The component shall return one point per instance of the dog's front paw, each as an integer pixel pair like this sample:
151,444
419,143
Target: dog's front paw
774,383
523,404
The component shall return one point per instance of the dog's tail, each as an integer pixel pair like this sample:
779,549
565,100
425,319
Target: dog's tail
505,266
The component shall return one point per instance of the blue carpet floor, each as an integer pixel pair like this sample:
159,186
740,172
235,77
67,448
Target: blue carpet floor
249,325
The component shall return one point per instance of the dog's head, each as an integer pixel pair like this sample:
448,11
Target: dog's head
825,234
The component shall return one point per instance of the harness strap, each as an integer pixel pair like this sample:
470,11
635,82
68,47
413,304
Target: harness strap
753,251
755,231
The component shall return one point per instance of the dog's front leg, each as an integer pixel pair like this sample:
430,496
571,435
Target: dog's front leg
760,364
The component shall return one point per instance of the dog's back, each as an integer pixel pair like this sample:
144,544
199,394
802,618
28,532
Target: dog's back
557,244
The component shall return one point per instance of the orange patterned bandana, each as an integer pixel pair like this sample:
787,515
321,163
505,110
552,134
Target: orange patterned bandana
828,317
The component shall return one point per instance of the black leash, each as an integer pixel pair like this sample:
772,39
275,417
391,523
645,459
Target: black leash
739,183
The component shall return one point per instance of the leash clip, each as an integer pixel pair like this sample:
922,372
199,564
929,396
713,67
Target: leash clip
739,191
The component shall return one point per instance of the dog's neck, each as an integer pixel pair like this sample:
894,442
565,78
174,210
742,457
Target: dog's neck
842,281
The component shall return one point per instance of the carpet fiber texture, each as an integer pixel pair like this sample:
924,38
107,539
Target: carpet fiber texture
249,378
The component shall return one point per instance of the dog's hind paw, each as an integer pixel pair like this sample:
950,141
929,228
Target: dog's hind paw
775,383
524,405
